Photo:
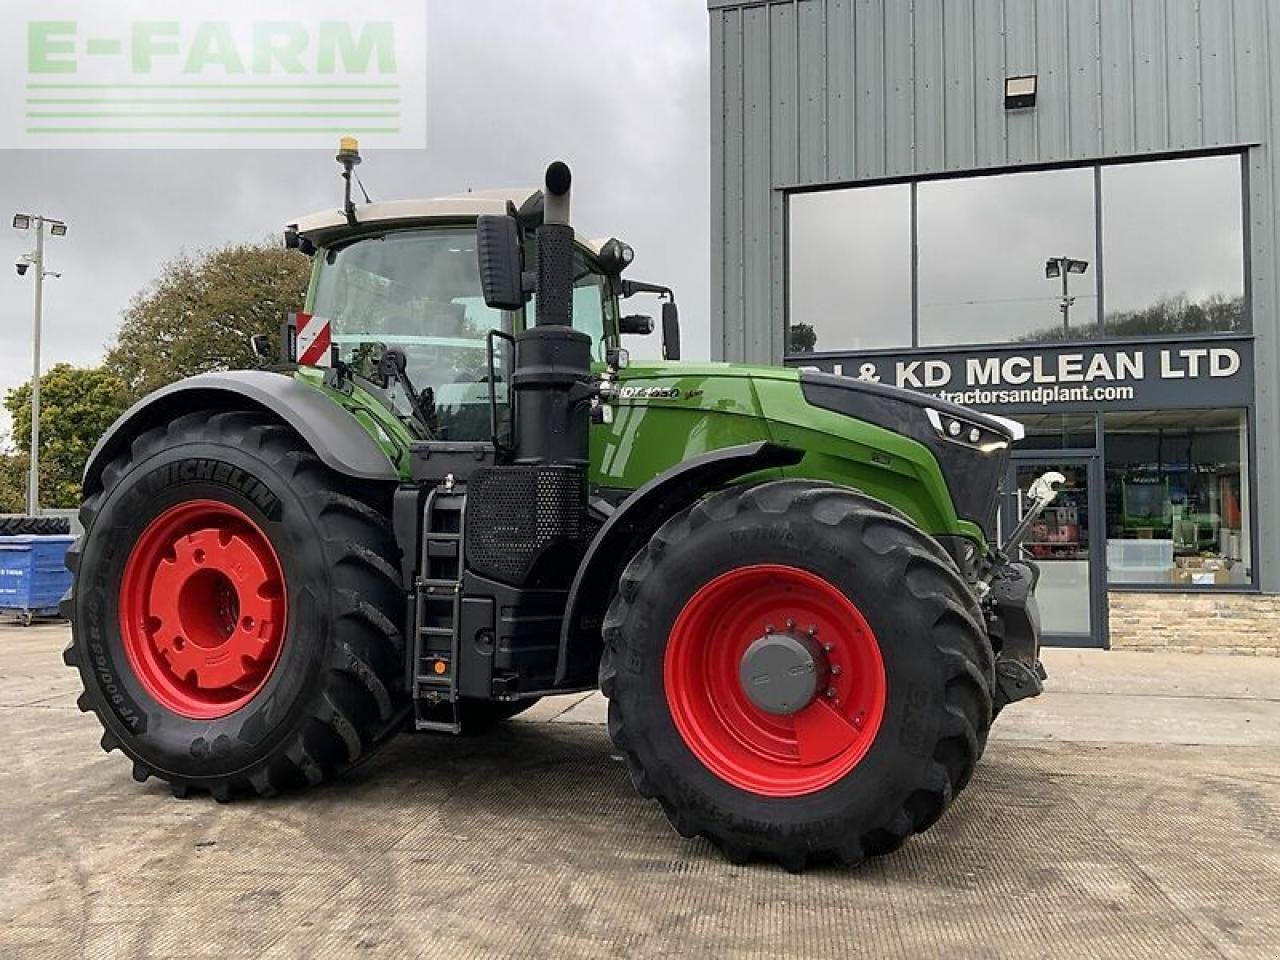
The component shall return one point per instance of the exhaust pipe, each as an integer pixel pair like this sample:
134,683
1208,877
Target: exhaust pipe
552,370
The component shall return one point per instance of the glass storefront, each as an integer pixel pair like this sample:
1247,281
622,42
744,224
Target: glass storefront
851,269
1177,494
1121,250
983,244
1061,544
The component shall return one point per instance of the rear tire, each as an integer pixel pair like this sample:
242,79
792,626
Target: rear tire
317,683
915,691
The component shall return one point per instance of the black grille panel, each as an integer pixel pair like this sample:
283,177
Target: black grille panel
517,516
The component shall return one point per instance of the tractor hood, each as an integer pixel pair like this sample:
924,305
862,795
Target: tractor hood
972,448
940,463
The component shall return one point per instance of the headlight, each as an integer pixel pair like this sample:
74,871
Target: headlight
966,433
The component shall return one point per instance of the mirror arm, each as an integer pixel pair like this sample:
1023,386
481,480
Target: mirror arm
631,287
392,366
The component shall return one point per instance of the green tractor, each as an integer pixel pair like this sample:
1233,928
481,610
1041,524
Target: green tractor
462,497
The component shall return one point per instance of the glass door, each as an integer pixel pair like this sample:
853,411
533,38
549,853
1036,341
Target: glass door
1063,542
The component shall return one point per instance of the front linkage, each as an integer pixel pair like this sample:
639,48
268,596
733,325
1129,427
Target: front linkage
1013,617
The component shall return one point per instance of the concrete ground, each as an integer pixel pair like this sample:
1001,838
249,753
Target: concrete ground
1133,811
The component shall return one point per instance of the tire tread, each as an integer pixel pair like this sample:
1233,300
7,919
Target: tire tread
358,693
932,579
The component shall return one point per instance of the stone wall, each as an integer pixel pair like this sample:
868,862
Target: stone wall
1197,622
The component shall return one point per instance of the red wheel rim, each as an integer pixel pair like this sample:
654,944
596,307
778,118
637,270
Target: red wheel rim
202,609
764,753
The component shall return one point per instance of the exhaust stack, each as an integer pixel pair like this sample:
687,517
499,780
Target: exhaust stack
552,371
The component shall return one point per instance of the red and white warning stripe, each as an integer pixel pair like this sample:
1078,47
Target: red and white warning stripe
314,341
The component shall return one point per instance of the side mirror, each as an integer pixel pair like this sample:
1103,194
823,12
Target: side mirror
670,331
501,266
637,325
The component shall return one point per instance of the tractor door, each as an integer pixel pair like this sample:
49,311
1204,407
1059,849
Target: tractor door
419,290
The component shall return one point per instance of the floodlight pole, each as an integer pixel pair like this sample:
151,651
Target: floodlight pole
1065,266
1066,300
33,481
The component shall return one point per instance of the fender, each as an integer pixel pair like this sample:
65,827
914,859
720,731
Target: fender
631,525
335,436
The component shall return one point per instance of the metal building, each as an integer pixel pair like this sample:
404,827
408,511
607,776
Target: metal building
1062,210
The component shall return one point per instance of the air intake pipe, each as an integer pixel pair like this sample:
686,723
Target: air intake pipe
552,371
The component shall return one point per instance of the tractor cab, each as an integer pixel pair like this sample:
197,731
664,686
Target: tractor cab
404,276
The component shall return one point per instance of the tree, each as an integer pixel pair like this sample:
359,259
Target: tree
1167,316
13,483
804,339
77,405
198,316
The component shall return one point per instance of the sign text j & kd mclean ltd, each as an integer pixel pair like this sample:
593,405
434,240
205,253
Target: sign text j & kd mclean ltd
1191,373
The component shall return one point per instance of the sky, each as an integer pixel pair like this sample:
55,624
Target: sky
620,90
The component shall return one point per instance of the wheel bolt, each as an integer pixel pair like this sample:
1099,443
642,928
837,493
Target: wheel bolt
791,624
831,692
813,630
828,647
835,669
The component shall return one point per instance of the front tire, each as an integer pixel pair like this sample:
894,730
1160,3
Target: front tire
233,613
870,752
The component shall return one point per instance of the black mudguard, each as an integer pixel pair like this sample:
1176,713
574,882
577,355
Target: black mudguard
331,432
630,526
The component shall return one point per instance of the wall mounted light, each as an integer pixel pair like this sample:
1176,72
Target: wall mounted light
1020,92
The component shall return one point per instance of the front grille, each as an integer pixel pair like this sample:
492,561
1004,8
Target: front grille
519,516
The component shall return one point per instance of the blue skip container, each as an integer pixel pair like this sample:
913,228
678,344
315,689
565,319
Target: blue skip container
33,575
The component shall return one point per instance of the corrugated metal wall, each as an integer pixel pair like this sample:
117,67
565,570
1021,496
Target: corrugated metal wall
809,92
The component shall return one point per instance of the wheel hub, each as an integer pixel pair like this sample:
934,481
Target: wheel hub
782,673
202,609
774,680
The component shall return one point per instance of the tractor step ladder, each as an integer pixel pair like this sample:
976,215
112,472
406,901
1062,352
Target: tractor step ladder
437,627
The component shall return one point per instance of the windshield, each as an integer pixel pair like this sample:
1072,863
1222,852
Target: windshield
420,290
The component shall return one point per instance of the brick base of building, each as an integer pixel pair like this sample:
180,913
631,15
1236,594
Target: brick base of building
1246,624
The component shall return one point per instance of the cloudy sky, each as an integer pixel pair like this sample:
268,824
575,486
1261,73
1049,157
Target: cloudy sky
620,90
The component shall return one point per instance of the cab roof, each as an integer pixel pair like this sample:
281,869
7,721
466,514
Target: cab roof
328,226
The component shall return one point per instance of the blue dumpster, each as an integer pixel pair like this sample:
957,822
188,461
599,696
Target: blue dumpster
33,575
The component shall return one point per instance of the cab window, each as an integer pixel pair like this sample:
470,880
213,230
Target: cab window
592,304
419,291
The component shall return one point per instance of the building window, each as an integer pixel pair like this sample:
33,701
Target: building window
1058,431
1016,258
850,255
1173,245
1177,493
983,246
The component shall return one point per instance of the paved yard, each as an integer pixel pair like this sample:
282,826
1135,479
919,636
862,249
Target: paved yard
1134,811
